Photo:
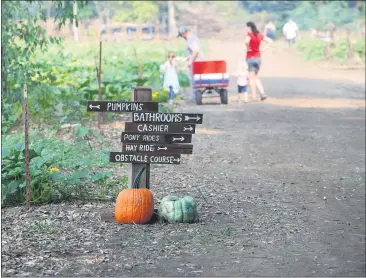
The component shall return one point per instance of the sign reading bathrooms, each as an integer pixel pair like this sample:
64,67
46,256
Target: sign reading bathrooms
177,118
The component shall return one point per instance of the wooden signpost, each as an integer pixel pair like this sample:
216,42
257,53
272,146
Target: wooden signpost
151,137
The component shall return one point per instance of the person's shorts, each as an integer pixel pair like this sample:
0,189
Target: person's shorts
242,89
291,41
254,64
271,34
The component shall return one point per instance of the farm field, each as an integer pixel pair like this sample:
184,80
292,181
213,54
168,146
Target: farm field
273,187
279,187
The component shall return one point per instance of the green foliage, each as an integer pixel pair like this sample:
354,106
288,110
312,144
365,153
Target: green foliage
57,171
137,180
21,36
314,49
45,226
67,81
305,15
360,49
13,175
308,14
337,12
137,11
9,114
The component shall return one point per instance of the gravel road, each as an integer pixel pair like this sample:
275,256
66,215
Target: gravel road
280,187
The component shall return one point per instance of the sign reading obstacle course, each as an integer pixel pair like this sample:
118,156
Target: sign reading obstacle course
151,137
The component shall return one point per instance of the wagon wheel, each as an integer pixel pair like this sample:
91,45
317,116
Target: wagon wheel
198,97
223,96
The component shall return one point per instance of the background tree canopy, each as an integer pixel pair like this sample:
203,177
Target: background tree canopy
307,14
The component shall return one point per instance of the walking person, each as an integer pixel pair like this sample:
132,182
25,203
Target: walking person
242,81
290,31
270,30
171,81
253,42
193,52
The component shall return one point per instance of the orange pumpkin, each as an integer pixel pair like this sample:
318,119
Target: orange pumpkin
134,205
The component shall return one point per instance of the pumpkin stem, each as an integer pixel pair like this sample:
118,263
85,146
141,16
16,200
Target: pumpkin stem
136,183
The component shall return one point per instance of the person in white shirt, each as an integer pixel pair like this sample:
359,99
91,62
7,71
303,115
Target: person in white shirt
171,81
193,51
290,31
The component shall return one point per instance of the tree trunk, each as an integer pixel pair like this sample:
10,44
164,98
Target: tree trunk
76,35
172,24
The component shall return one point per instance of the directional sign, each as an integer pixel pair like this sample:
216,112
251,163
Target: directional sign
118,106
160,128
157,149
131,137
181,118
144,158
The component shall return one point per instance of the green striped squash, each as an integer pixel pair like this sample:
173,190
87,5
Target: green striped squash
178,210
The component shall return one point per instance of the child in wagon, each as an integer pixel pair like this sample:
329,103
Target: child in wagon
171,81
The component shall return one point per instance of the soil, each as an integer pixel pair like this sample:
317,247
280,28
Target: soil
280,187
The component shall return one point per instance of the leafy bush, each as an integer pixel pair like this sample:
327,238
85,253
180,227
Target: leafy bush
56,170
63,85
314,49
360,48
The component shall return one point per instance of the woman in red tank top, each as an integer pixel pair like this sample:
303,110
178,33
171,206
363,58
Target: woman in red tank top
253,43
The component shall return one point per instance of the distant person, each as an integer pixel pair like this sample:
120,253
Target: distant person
242,81
320,36
193,51
171,81
290,31
253,58
270,30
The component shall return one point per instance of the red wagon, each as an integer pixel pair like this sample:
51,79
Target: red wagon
208,77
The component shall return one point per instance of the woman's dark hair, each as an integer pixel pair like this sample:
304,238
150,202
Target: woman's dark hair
253,27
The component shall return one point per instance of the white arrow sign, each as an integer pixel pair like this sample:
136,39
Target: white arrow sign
96,106
160,148
178,139
187,128
177,160
187,118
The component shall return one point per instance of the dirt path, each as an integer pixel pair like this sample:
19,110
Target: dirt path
280,186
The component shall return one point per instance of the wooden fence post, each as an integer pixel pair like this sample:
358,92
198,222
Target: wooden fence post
140,94
99,73
26,149
351,56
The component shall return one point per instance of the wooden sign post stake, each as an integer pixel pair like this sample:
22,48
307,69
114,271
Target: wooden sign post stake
151,137
99,76
140,94
26,149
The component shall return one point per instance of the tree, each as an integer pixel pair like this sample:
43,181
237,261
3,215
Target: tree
21,36
137,11
172,23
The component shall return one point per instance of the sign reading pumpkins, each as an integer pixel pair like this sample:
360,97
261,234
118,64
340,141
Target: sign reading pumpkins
152,137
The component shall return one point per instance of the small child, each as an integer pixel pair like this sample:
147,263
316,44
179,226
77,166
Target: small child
171,81
242,81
